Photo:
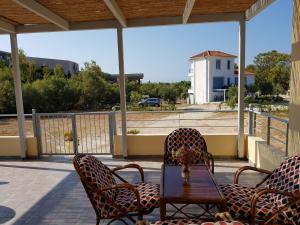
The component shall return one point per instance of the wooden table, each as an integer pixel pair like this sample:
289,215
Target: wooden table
201,189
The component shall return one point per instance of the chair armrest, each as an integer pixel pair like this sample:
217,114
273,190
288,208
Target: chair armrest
210,161
265,191
135,166
244,168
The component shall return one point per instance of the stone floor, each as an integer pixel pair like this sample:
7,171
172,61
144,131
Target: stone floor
48,191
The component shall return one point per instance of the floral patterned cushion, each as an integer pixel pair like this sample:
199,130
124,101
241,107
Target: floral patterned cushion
149,196
184,137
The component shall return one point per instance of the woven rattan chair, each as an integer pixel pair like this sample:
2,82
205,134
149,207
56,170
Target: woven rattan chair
187,137
111,200
276,203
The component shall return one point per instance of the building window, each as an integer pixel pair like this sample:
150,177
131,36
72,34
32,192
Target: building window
218,82
236,80
218,64
228,81
228,64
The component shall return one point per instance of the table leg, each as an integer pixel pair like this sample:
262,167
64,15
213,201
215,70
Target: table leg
162,210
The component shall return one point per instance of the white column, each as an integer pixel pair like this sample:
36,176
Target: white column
18,93
242,46
122,91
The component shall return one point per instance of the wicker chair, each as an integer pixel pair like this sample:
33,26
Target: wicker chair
111,200
187,137
276,203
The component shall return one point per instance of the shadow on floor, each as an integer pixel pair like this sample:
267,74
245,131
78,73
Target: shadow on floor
6,214
67,203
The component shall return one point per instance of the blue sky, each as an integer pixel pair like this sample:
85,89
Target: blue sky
162,53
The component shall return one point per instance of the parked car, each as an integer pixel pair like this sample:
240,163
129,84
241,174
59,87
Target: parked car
150,102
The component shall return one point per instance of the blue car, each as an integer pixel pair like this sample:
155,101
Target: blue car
150,102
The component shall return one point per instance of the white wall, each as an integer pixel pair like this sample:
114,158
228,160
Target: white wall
200,72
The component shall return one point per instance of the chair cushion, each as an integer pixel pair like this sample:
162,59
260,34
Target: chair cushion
97,175
223,223
194,221
184,137
239,202
286,178
149,197
178,222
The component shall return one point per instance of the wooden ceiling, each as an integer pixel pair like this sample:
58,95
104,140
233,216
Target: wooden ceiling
78,11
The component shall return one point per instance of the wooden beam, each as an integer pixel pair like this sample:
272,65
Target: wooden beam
43,12
187,10
116,11
144,22
257,8
7,27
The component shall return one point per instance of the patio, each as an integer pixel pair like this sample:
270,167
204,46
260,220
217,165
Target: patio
48,191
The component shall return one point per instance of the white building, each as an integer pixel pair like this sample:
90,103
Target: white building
211,73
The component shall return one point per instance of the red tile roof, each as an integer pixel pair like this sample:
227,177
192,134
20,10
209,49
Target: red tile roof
213,54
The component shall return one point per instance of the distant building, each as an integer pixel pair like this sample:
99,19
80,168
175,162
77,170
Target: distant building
137,77
211,74
68,66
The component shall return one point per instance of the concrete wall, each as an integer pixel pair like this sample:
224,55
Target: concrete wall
153,145
10,146
200,81
262,155
294,108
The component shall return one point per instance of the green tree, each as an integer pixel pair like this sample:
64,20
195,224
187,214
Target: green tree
272,72
232,97
7,94
135,97
59,71
46,71
169,94
27,68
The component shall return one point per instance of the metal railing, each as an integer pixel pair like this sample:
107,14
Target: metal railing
273,129
93,132
164,122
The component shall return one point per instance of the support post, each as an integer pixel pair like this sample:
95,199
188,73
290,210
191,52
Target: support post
18,94
242,46
122,91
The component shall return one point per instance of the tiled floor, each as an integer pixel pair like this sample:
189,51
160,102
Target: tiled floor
48,191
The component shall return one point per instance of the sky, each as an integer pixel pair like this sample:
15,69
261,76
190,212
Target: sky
162,53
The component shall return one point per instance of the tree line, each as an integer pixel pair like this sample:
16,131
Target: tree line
50,90
272,77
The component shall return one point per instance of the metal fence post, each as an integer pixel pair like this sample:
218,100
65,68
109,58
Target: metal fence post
112,131
254,123
74,132
37,130
268,130
287,140
250,121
